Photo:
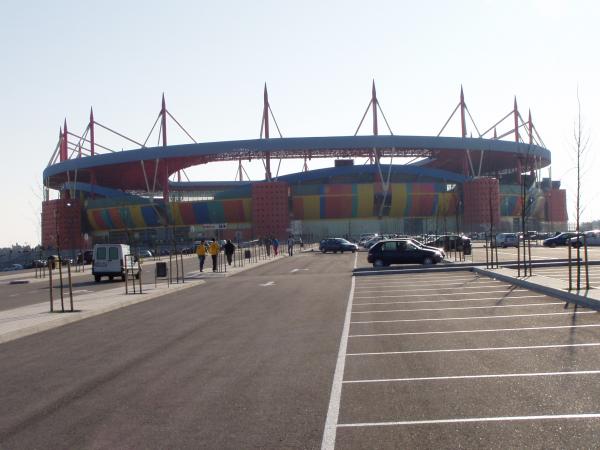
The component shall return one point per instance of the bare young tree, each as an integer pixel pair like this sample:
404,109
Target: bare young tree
581,141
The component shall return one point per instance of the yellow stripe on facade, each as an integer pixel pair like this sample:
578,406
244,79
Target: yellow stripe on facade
312,207
399,200
365,200
136,216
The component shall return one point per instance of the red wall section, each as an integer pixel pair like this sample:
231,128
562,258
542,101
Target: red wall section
270,210
477,194
557,205
61,224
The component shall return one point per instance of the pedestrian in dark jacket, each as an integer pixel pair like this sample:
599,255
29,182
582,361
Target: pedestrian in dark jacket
229,250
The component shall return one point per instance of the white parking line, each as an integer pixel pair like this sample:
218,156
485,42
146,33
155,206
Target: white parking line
416,278
443,286
475,349
451,293
469,377
449,300
457,308
471,419
404,283
475,317
429,289
417,281
481,330
333,411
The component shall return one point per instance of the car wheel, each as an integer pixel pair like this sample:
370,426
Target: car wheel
97,278
553,245
110,278
503,245
335,251
323,251
427,261
378,263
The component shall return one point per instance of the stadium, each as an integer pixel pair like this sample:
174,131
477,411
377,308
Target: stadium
382,183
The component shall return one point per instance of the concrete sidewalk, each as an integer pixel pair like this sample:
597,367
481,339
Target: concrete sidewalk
545,285
31,319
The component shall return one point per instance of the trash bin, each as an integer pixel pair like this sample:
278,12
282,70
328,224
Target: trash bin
247,254
161,269
467,250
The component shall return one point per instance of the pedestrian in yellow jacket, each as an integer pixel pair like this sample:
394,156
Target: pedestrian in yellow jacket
213,250
201,252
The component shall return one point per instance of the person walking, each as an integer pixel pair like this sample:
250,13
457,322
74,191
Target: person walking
213,250
290,243
201,252
268,245
229,250
275,246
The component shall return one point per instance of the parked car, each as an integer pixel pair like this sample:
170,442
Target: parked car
401,251
430,247
452,242
559,239
507,240
591,238
337,245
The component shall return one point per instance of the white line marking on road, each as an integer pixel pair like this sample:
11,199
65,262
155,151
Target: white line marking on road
475,349
415,279
333,411
14,295
427,289
437,281
296,270
471,419
457,308
450,300
469,377
481,330
268,283
404,286
404,283
447,294
476,317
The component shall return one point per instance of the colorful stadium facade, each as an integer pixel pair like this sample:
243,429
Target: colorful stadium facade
450,183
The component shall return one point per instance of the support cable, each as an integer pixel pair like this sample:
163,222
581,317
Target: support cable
151,129
363,117
384,118
449,119
95,143
156,163
275,120
497,123
145,176
180,126
54,153
117,133
472,121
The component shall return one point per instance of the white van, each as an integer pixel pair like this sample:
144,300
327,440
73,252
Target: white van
110,260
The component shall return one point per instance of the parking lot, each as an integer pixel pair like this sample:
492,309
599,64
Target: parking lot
454,360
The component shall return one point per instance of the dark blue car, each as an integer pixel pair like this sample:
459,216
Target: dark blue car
559,239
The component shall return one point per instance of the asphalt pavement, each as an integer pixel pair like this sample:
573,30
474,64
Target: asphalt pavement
238,362
298,353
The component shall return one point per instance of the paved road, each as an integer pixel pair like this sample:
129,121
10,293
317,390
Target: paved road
445,360
241,362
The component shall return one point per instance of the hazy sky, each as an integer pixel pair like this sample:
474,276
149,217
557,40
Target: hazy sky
318,58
